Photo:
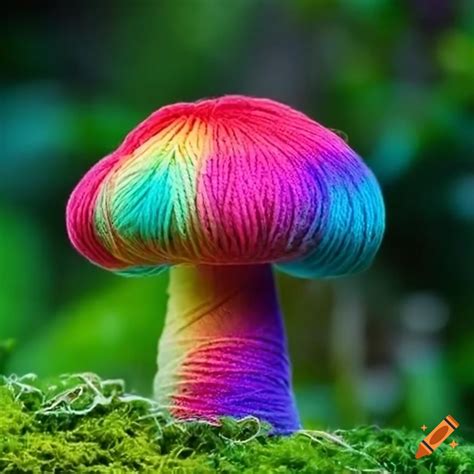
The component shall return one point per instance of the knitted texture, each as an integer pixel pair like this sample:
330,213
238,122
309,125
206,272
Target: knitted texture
223,350
234,180
223,189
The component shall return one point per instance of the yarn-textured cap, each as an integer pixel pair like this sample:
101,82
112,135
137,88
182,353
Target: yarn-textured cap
232,180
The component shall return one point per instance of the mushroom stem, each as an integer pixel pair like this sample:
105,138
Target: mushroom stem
223,350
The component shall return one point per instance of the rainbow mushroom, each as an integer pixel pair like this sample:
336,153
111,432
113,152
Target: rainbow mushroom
219,191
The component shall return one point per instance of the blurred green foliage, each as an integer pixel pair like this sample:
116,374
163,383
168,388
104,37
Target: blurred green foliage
391,346
101,333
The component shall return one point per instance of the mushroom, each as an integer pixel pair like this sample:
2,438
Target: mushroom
219,192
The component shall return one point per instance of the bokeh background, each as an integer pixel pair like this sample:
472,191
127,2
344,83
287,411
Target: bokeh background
393,346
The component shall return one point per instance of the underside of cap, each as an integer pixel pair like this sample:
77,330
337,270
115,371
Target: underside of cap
229,181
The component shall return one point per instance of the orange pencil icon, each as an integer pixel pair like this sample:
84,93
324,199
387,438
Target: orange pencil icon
436,437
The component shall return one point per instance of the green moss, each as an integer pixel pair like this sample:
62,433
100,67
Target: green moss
85,424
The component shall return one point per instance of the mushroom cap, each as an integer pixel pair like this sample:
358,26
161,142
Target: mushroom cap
227,181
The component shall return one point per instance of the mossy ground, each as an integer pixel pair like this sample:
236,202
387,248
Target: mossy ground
85,424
